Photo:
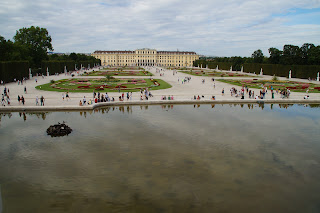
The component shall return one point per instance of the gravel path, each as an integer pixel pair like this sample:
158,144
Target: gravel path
180,91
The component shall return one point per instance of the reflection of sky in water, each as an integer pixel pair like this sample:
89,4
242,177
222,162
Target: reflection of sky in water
299,111
152,158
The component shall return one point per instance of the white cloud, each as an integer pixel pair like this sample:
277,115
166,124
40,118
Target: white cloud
223,28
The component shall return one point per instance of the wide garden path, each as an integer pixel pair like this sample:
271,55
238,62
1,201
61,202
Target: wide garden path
180,91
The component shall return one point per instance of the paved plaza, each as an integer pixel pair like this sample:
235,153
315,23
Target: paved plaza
197,86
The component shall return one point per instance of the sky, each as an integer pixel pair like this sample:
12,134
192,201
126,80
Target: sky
208,27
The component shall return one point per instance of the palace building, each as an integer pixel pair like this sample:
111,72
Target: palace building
146,57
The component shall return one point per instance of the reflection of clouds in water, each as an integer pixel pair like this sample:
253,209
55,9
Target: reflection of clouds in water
186,154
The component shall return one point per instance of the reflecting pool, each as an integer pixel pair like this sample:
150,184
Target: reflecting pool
166,158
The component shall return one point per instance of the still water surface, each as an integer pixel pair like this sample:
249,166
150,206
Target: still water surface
181,158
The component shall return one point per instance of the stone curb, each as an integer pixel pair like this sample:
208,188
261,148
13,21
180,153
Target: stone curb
105,104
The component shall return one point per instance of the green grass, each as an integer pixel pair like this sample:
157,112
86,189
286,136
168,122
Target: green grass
275,84
71,85
215,74
124,68
119,73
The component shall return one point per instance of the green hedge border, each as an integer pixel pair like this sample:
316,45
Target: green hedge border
297,71
10,70
58,66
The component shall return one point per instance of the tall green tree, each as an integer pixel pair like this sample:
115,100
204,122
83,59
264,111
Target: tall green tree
257,56
291,54
314,56
73,56
305,52
10,51
275,55
6,49
37,41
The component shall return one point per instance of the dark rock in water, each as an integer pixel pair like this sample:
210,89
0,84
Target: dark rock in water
59,130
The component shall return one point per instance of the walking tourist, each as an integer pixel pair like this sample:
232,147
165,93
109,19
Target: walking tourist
107,97
8,99
22,100
2,100
42,100
67,96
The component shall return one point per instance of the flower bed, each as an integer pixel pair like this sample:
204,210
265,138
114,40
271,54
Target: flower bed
293,86
83,87
101,84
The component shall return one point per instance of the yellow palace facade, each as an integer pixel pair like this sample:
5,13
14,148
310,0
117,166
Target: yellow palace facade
146,57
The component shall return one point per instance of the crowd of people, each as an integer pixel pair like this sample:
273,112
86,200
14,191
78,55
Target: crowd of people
238,92
97,98
164,97
5,99
284,93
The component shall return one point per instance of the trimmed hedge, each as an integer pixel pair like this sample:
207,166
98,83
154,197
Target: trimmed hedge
10,70
297,71
213,65
221,65
58,66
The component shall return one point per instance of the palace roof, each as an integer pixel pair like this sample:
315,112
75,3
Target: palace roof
133,52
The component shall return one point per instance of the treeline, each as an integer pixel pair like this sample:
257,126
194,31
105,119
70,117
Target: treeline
307,54
29,49
304,61
31,44
71,57
74,61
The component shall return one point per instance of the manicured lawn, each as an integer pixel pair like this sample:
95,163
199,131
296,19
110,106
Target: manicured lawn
119,73
184,68
104,85
292,85
215,73
123,68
